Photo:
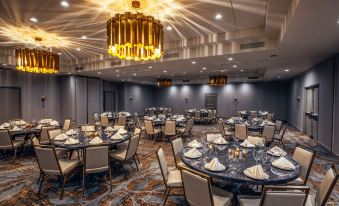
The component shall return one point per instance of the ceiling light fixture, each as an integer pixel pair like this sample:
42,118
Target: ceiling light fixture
150,67
83,37
235,66
286,70
134,74
33,19
218,80
204,68
169,28
230,59
338,21
218,16
78,49
135,36
194,62
69,73
164,82
165,71
242,70
59,53
99,73
64,4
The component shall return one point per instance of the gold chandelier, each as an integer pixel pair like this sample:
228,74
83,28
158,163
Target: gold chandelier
36,61
135,36
218,80
164,82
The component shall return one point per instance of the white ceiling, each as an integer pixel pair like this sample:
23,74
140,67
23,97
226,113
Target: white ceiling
311,34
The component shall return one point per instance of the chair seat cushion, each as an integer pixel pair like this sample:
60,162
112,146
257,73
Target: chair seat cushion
67,165
245,200
123,145
297,181
119,154
174,178
310,200
221,197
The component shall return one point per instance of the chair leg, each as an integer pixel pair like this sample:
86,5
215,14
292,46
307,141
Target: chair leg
14,156
137,158
168,192
83,184
39,178
123,168
165,191
110,178
41,182
136,164
63,187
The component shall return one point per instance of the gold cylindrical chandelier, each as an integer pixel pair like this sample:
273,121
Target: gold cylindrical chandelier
164,82
218,80
36,61
135,36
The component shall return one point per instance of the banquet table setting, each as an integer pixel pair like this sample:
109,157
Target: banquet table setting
254,124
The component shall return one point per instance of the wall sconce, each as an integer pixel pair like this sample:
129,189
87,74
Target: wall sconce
130,100
43,99
298,99
186,100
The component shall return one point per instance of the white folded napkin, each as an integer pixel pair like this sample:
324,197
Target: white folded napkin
262,124
117,136
122,131
6,124
283,163
270,123
193,153
61,137
96,140
256,172
158,119
1,127
247,143
71,141
89,128
215,165
54,123
220,140
20,122
277,151
109,129
71,132
195,144
15,129
213,137
45,121
230,120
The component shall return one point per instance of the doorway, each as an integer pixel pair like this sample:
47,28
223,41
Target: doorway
211,101
311,112
109,101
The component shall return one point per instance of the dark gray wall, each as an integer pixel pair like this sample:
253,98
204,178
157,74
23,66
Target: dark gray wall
335,139
322,74
138,96
270,96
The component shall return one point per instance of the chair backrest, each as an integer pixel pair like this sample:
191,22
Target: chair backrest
47,159
214,113
5,138
326,186
52,133
197,115
177,147
189,125
151,112
238,114
253,114
96,159
149,126
304,157
282,130
132,146
169,127
221,128
278,124
241,131
284,195
270,116
104,121
163,164
137,130
268,132
210,114
96,116
256,140
122,120
67,125
197,188
44,138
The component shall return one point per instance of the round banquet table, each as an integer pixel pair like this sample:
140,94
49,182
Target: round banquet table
276,176
85,142
254,126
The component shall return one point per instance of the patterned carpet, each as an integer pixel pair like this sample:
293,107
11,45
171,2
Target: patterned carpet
18,182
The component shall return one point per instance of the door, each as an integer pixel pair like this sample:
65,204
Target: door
10,106
311,111
109,101
211,101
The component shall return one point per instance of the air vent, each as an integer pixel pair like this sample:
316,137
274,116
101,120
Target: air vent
252,45
115,63
185,80
169,55
253,78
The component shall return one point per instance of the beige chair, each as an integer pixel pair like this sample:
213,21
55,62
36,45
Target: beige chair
177,148
325,189
150,130
122,155
50,164
240,131
67,125
199,192
187,130
305,157
210,116
238,113
253,114
104,121
6,143
268,133
172,178
122,120
170,129
270,116
278,124
197,117
279,137
215,118
277,196
44,138
96,159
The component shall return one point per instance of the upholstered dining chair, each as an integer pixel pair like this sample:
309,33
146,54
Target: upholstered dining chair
325,188
177,148
278,124
104,121
44,138
268,133
253,114
225,133
187,130
172,178
197,117
50,164
96,159
215,118
199,192
209,118
238,113
67,125
279,137
170,129
270,116
150,130
123,155
277,196
305,157
122,120
240,131
6,143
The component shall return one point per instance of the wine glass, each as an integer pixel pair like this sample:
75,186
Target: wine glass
256,155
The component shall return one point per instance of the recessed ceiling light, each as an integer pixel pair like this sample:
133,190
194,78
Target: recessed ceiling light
64,4
286,70
118,75
165,71
194,62
150,67
242,70
169,28
99,73
78,49
134,74
59,53
218,16
230,59
33,19
184,72
83,37
338,21
204,68
201,71
117,70
69,73
235,66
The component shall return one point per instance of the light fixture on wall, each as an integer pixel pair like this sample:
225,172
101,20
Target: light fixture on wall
218,80
135,36
43,99
37,61
164,82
